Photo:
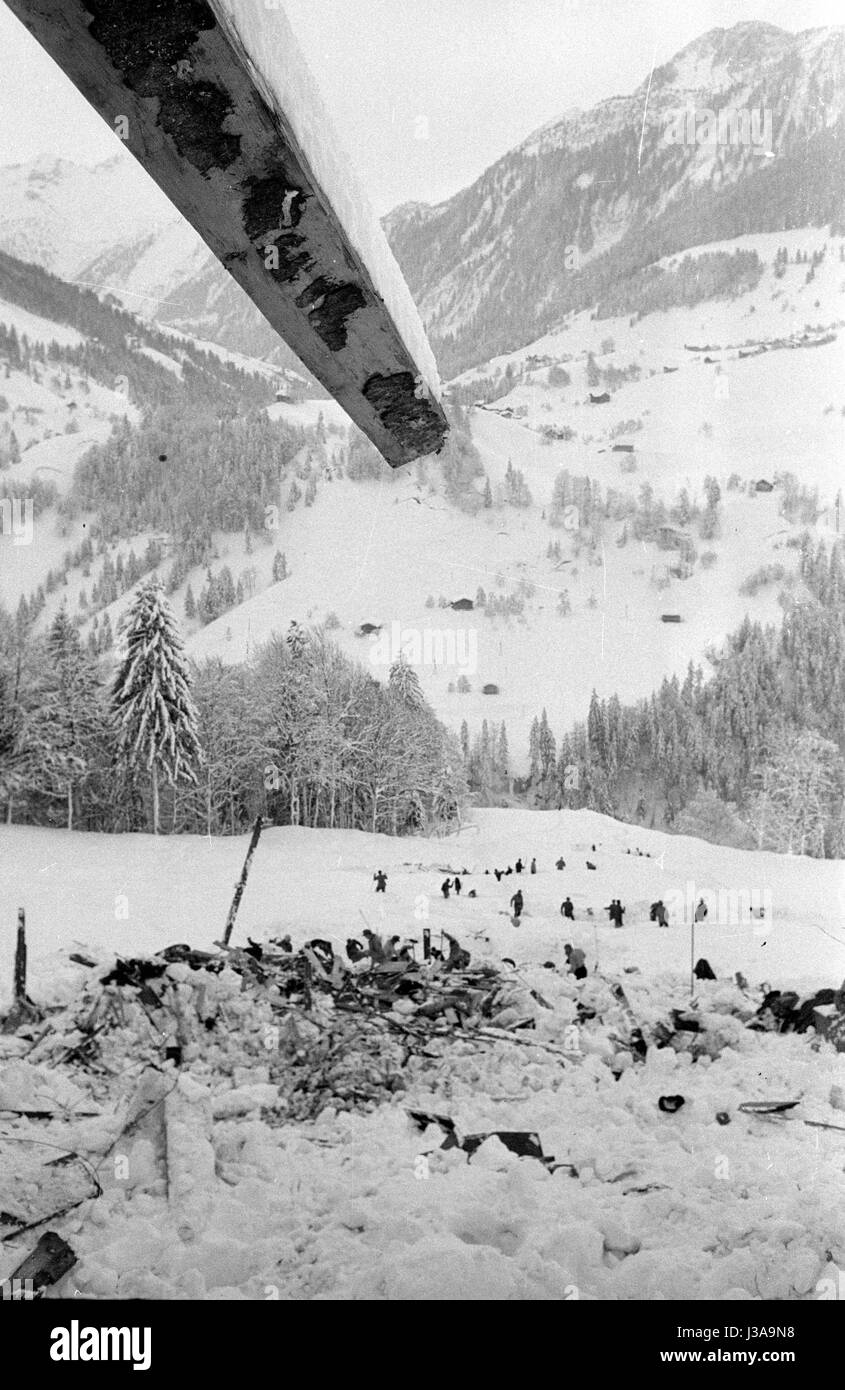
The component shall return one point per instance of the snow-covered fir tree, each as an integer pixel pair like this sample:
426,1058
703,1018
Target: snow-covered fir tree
63,730
151,697
405,683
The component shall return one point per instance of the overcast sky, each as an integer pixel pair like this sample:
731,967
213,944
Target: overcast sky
427,93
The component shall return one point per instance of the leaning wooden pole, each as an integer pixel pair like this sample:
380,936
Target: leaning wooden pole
692,954
20,960
241,883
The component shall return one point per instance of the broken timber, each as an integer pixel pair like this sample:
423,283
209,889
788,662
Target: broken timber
241,883
213,98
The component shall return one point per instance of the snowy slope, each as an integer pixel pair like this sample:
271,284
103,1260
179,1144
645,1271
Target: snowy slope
319,882
709,1202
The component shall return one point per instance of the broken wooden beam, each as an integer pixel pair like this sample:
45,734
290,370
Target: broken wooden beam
214,99
241,883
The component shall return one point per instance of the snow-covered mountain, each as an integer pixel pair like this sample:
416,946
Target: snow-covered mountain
111,228
583,202
599,194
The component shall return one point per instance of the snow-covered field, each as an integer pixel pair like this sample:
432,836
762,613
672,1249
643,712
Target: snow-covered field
77,887
358,1206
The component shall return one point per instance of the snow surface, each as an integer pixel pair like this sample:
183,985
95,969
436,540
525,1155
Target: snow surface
318,882
357,1206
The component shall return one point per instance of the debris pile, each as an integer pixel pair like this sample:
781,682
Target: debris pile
309,1028
157,1112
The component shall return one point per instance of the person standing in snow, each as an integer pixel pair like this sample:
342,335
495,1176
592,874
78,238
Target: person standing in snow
380,880
498,874
560,863
658,913
567,910
457,886
517,904
445,886
700,910
519,866
533,866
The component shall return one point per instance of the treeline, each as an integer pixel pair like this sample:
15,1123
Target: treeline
113,337
712,275
752,756
185,472
300,734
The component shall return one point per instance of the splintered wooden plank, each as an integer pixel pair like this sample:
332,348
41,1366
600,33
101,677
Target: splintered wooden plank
214,99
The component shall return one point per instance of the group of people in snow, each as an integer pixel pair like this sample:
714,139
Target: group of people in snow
615,910
518,868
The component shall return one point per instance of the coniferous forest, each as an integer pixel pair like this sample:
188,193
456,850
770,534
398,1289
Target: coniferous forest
301,735
752,755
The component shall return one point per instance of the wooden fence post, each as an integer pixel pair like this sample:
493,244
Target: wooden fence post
20,960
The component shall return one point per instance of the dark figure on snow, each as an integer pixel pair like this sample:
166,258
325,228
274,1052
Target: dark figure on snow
657,913
508,870
576,960
616,912
560,863
445,886
284,944
567,910
517,903
700,910
354,950
375,947
458,958
380,880
457,885
533,866
519,866
498,874
704,970
589,865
